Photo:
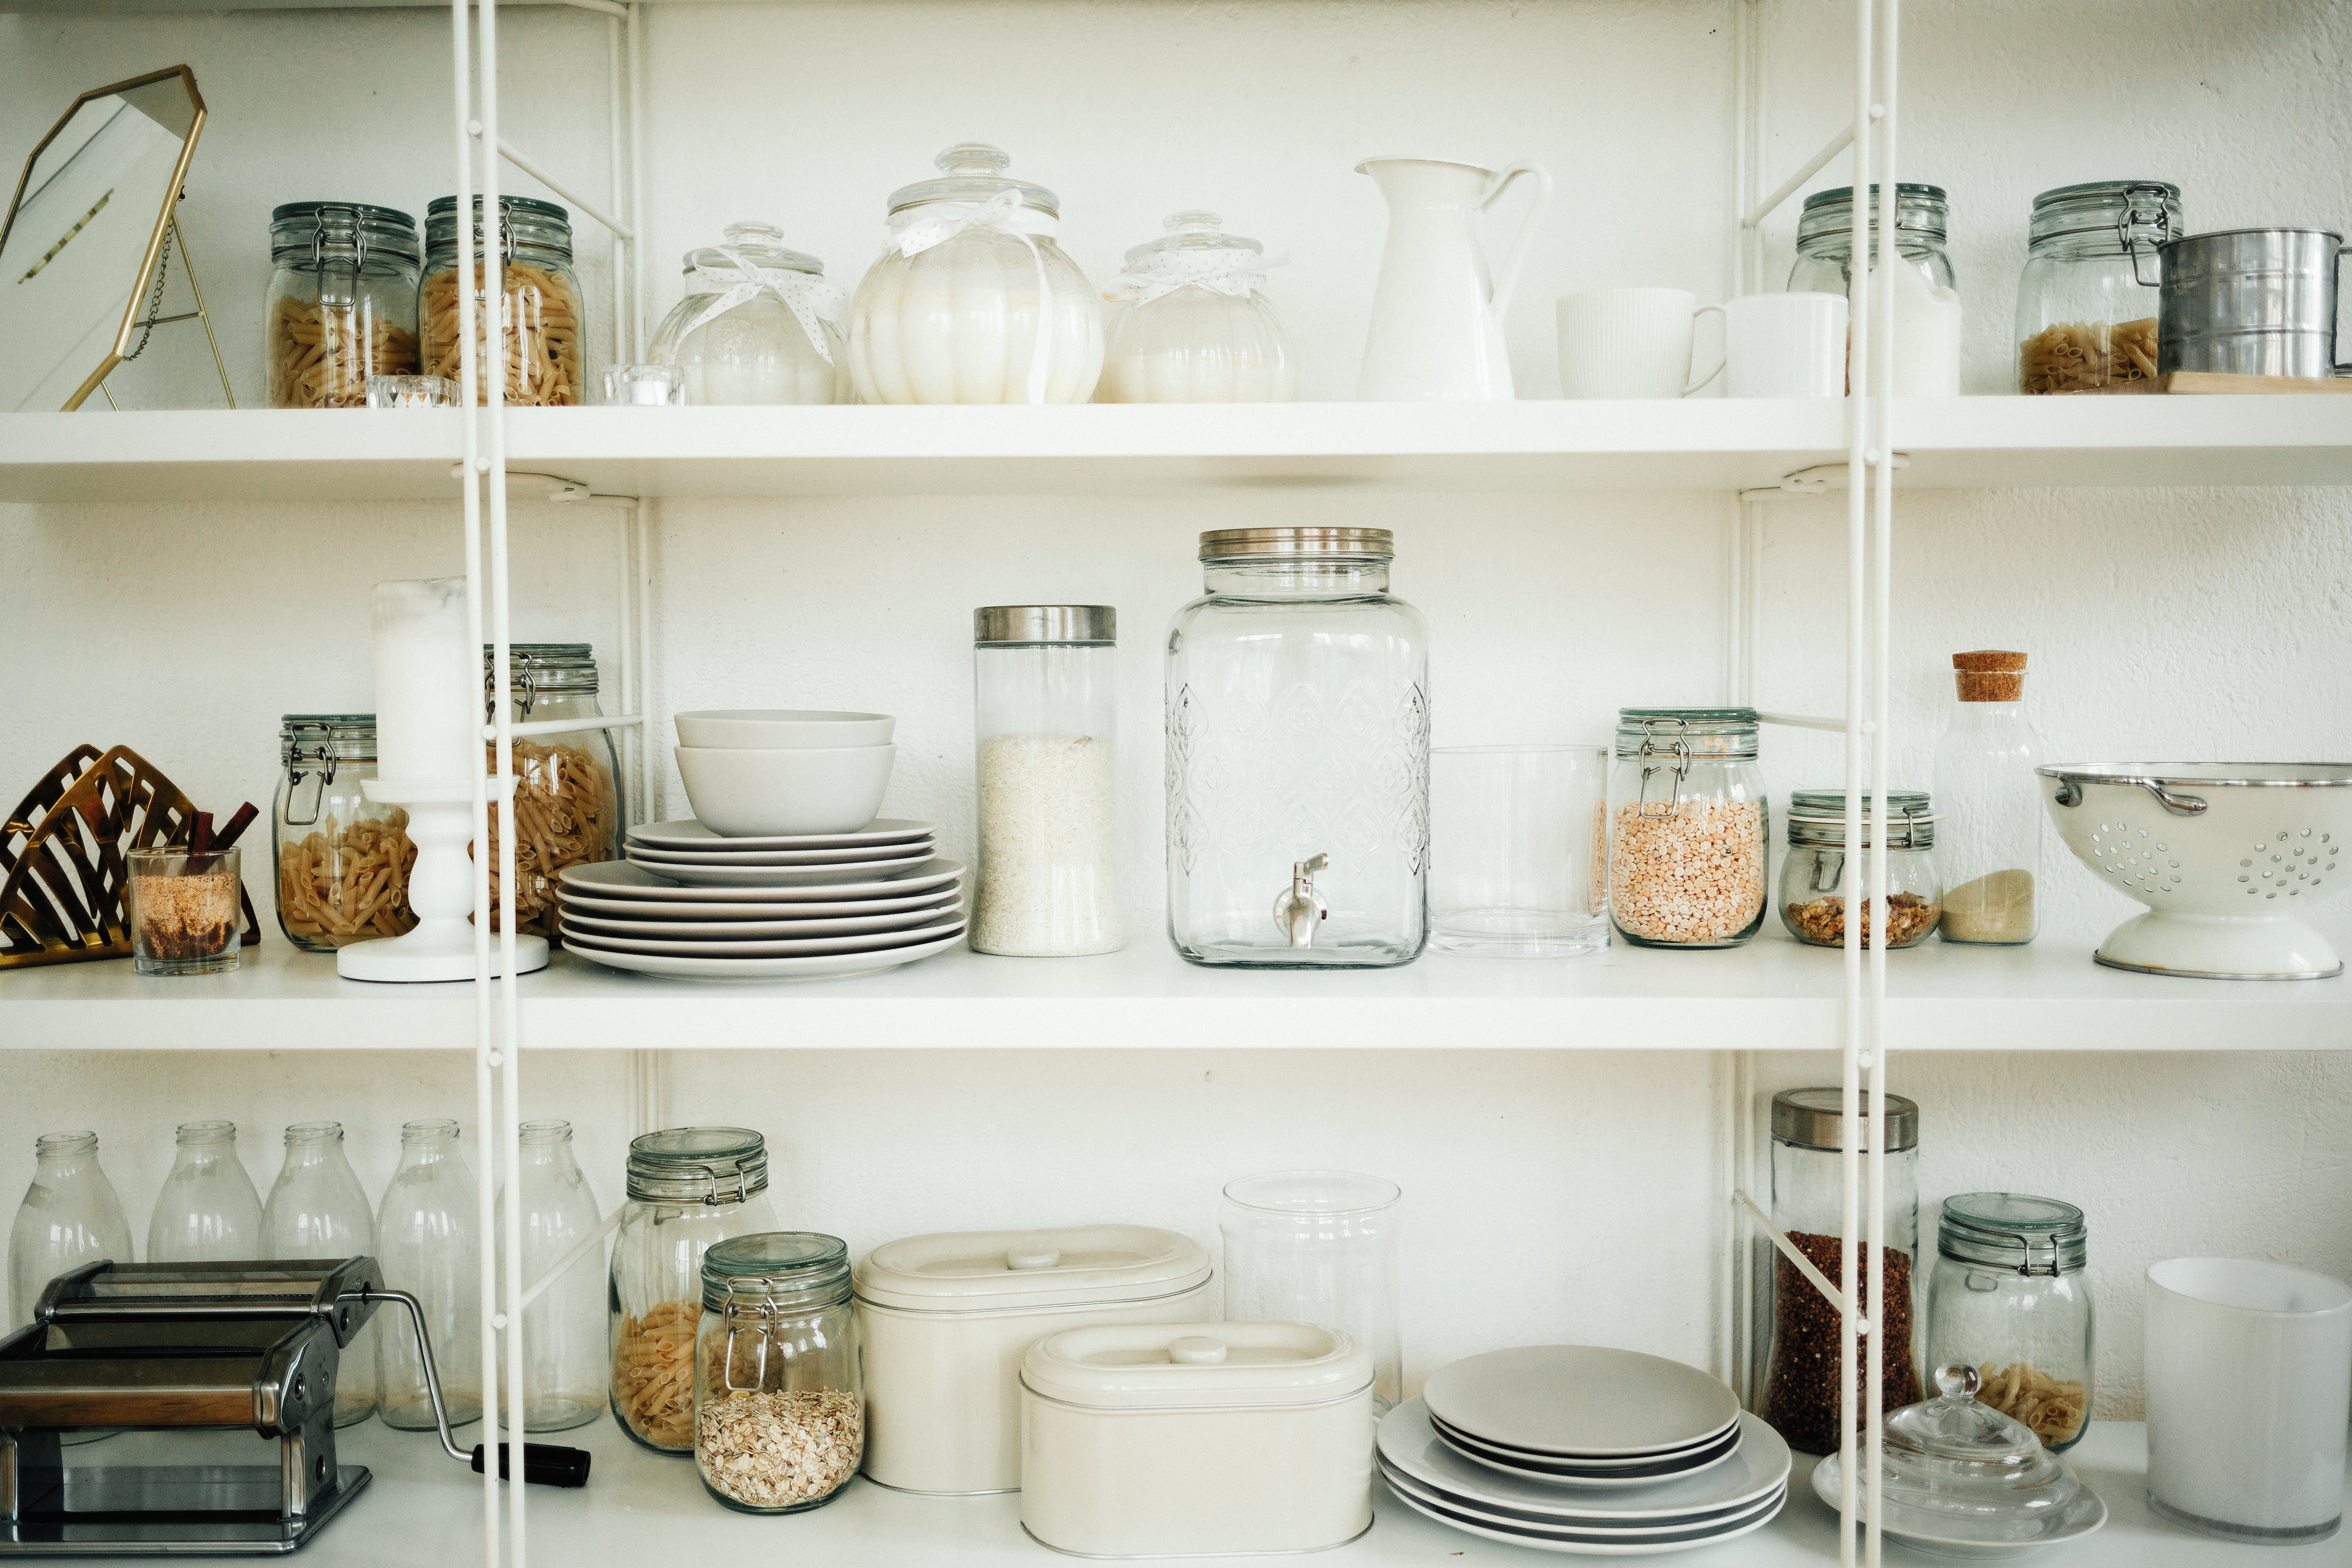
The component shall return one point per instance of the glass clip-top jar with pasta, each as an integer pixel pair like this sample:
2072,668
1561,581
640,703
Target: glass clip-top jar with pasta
2086,302
2008,1296
343,301
341,861
1190,323
1687,823
759,324
1927,297
778,1391
567,807
1819,879
539,311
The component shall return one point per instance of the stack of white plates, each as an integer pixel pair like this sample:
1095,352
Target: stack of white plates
1583,1449
686,851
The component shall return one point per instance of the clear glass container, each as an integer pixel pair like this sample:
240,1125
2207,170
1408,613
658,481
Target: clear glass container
1045,714
689,1189
570,804
1515,867
540,310
317,1208
1963,1476
1818,878
2009,1298
341,861
2087,300
1192,323
342,305
184,910
759,324
971,301
427,1241
1298,755
1926,298
1799,1396
208,1211
1993,814
779,1391
565,1364
70,1216
1689,822
1318,1246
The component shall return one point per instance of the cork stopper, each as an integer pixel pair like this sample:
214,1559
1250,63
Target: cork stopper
1990,675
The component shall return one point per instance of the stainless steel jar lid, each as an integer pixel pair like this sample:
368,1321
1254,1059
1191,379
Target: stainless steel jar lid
711,1165
1698,731
1257,543
1812,1119
775,1269
1817,817
545,667
2015,1232
1081,624
326,738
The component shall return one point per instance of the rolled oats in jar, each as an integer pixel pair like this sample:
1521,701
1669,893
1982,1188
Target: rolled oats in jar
778,1394
1685,828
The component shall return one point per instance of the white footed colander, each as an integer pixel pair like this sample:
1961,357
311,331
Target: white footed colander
2228,857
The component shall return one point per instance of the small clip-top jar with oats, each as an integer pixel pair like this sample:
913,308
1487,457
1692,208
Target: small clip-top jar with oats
779,1396
1685,828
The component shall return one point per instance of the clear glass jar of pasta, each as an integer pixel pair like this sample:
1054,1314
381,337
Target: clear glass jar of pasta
341,861
341,304
539,306
568,809
779,1393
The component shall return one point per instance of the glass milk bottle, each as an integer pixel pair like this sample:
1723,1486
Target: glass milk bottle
317,1208
1990,843
208,1211
565,1369
69,1216
427,1243
1191,322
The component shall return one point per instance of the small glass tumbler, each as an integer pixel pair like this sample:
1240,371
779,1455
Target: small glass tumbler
1514,860
644,385
1318,1246
184,911
412,391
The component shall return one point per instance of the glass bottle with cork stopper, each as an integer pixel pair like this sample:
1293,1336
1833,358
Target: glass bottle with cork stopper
1990,841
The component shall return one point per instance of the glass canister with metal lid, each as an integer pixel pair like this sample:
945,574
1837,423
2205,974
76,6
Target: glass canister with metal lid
1686,825
539,311
1926,299
568,806
689,1189
341,860
1818,877
2086,302
1190,321
779,1390
341,304
759,324
2008,1297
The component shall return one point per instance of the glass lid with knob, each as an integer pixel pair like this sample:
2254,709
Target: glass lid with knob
1957,1469
752,243
973,171
1189,231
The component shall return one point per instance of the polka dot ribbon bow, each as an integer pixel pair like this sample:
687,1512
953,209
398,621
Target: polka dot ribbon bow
811,299
920,228
1236,271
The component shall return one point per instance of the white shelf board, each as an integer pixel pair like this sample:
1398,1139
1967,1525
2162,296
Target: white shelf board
1774,994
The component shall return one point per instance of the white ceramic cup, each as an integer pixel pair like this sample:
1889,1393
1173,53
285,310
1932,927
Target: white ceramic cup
1629,343
1784,346
2249,1378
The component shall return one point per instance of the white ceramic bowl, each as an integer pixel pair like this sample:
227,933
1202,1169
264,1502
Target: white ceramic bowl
783,729
746,794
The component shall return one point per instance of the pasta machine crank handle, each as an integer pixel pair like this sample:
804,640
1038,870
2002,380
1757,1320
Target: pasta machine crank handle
544,1464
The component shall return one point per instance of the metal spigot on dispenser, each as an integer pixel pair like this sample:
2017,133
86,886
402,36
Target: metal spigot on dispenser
1297,912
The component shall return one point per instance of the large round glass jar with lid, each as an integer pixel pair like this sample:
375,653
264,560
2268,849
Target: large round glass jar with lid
1190,321
1926,298
1819,880
971,301
1298,747
2010,1297
539,311
567,784
689,1189
779,1391
1687,826
341,304
341,861
2087,300
759,324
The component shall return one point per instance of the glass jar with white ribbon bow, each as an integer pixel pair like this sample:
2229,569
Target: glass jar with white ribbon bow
759,324
1191,322
971,301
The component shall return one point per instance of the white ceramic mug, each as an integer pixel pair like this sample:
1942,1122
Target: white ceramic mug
1784,346
2249,1376
1629,343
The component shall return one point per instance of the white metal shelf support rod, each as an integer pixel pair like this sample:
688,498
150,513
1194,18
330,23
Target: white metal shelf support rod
512,154
1806,721
1754,217
624,250
637,270
589,1245
1788,1250
561,726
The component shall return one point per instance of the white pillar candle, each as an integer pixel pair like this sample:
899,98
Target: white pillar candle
428,684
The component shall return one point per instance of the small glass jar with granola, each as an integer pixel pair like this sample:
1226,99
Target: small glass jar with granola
779,1396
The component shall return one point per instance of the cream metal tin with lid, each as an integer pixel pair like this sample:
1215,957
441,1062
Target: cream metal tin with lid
946,1318
1180,1439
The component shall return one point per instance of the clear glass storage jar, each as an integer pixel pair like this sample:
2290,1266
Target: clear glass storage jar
1818,878
2087,300
538,314
1045,714
1926,299
691,1188
341,304
340,861
567,784
1687,823
1298,755
1318,1246
1991,835
2008,1297
759,324
779,1393
1190,321
1799,1396
971,301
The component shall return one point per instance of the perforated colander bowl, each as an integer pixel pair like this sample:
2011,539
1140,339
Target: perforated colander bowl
2228,857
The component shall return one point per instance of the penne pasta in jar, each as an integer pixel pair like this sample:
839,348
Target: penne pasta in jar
537,310
341,304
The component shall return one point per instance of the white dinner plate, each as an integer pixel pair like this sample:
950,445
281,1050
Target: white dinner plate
1580,1402
779,947
772,876
646,855
1536,1524
1535,1461
601,926
669,914
608,878
1759,1465
2084,1515
685,833
819,966
1590,1543
1689,1464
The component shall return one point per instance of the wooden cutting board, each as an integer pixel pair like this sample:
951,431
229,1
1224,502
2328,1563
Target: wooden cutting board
2207,382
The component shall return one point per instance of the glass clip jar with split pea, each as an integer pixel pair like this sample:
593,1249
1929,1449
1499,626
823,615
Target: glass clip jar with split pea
778,1391
2008,1297
2086,300
1819,877
1926,299
691,1188
567,784
1687,823
341,304
540,316
341,861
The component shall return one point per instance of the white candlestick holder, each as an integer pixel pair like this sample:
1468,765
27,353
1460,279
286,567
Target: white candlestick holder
440,894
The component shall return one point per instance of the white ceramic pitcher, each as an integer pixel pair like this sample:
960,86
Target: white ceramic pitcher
1437,315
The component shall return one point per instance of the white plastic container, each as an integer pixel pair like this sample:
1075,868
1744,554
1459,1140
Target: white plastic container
1196,1440
946,1318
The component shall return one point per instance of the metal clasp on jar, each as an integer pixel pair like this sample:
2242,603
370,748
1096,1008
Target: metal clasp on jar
322,753
1679,768
2135,217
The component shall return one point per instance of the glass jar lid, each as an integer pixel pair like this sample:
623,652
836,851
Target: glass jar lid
1698,731
758,244
326,738
1969,1469
774,1271
1827,221
340,233
1325,543
550,666
973,171
1087,625
2131,212
2013,1231
1192,231
1814,1119
711,1166
524,224
1817,817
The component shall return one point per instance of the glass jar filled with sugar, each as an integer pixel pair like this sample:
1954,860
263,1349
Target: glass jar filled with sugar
1190,323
